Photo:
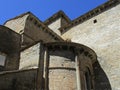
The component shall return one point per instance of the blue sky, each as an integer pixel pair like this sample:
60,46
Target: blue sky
43,9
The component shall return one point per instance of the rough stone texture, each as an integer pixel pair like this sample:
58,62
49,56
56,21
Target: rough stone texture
18,80
31,29
64,69
17,24
26,41
55,26
104,38
67,66
29,57
9,40
64,59
100,78
64,22
10,45
58,23
60,19
62,79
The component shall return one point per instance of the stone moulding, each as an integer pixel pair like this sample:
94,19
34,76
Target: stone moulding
70,61
76,48
90,14
56,16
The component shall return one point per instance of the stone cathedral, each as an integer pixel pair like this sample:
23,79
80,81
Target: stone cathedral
62,54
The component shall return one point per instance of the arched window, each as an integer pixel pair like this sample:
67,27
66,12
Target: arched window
88,80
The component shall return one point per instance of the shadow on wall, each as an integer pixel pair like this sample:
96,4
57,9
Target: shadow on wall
1,68
101,79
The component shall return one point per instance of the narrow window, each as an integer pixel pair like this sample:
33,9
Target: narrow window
2,59
88,80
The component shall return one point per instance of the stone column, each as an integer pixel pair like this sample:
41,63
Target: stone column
46,65
77,60
83,81
39,83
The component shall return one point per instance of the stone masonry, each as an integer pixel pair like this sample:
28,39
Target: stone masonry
62,54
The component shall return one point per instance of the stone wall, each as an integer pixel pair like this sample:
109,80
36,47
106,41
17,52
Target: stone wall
35,31
62,73
31,29
1,68
55,26
101,33
100,78
29,57
65,66
10,46
18,80
17,24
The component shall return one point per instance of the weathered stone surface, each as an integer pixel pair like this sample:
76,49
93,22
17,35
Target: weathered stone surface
63,70
31,29
17,24
100,78
65,66
62,77
62,80
29,57
64,59
57,21
104,38
55,26
18,80
10,46
9,40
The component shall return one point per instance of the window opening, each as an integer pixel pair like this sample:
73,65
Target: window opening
88,80
95,21
2,59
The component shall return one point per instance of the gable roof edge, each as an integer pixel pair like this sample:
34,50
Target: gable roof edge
56,16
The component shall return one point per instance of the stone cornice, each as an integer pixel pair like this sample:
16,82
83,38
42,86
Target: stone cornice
39,24
46,29
17,17
56,16
16,71
76,48
90,14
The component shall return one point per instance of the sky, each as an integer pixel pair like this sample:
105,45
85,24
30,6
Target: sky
43,9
